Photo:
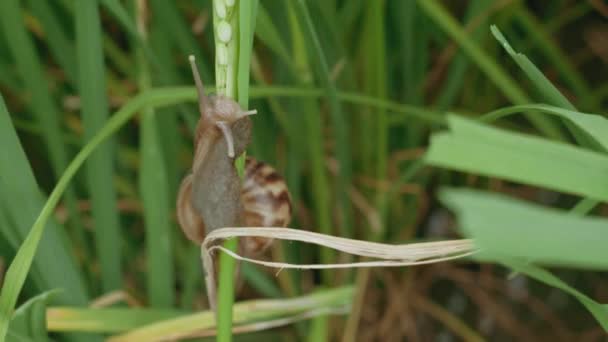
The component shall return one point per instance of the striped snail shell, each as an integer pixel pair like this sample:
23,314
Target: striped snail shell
266,202
213,196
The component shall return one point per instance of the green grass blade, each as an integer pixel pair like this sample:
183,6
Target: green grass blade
594,125
546,88
172,20
548,91
57,40
153,187
506,227
167,120
29,68
100,166
51,252
554,54
599,311
340,126
116,9
491,69
260,281
312,124
268,33
376,83
232,78
21,199
456,75
473,147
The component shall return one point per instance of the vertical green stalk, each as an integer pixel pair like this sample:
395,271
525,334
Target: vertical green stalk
154,189
100,166
225,31
340,126
377,87
233,26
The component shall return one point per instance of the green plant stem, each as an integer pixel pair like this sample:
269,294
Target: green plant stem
229,76
340,125
313,125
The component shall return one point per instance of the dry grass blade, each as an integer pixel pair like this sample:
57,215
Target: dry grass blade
266,325
389,255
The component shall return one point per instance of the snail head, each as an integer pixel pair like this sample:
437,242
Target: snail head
218,111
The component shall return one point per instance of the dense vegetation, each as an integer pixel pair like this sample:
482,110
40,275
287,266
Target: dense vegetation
392,121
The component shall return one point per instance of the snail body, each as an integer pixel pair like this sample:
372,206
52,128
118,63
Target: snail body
213,196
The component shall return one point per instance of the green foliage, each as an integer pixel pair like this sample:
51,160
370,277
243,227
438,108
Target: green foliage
29,320
517,233
347,94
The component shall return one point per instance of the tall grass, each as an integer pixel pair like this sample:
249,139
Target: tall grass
353,100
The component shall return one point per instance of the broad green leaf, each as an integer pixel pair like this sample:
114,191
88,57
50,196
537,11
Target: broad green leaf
505,226
477,148
508,231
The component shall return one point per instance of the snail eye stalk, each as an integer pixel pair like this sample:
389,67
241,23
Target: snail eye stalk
227,132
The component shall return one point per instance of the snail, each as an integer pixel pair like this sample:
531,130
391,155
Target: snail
213,196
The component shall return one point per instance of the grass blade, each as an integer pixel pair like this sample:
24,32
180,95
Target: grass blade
492,70
172,20
314,137
21,198
506,227
477,148
542,84
29,68
153,185
546,88
60,45
595,126
554,54
339,124
100,167
599,311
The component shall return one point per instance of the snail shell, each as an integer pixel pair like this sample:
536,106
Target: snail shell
266,201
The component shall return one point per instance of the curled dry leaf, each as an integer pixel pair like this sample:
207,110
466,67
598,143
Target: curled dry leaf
388,255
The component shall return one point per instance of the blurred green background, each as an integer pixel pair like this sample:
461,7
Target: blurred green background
347,94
